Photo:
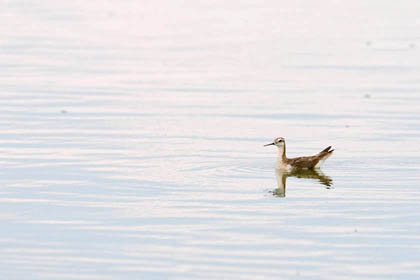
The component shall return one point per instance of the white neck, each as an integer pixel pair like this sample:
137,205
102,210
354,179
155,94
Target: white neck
279,162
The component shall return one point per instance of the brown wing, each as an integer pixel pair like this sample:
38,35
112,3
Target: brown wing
309,162
304,162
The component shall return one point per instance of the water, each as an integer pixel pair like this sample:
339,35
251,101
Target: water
131,139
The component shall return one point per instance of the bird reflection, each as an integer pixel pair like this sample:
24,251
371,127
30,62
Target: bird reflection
282,175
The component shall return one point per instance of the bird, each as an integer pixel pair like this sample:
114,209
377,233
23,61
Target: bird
310,162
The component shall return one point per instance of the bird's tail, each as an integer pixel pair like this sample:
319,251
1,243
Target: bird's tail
323,155
327,150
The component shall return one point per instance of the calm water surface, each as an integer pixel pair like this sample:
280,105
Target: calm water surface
131,139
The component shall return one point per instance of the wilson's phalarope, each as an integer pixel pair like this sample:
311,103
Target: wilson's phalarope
310,162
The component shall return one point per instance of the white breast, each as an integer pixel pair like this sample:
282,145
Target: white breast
283,166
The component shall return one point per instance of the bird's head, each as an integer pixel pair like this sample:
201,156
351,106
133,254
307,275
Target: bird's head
279,142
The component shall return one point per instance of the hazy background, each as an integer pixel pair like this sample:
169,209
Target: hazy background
132,131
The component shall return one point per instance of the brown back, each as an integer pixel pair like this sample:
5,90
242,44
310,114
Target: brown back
308,162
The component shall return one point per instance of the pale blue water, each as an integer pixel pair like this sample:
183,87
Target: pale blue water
132,132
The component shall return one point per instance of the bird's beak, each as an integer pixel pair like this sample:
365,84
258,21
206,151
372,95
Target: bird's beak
268,144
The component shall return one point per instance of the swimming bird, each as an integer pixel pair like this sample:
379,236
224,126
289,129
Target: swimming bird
310,162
